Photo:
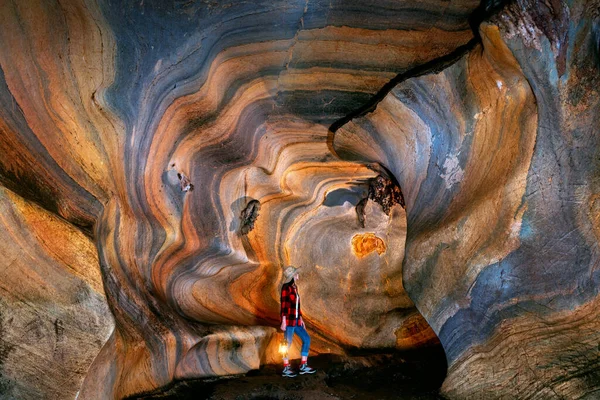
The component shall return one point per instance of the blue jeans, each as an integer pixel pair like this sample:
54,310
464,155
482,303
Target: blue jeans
300,331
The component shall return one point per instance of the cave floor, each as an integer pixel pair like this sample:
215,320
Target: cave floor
415,376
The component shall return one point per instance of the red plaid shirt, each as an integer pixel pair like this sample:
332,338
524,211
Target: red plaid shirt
290,304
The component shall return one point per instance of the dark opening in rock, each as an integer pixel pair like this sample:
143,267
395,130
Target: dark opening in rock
385,192
248,216
184,181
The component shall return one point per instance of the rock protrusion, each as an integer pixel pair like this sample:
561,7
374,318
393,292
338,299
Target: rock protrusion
248,217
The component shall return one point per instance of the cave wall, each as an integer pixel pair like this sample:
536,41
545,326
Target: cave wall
54,318
150,126
502,240
147,128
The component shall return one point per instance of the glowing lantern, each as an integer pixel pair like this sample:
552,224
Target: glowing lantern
283,347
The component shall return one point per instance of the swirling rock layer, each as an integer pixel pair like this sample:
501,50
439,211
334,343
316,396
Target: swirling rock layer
152,125
190,142
497,156
53,314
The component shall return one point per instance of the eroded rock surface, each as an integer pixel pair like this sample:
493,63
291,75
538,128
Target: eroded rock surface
149,128
53,313
502,241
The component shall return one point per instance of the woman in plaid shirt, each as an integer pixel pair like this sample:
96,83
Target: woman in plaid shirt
291,321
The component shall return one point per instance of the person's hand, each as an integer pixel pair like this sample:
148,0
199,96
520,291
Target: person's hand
283,324
301,322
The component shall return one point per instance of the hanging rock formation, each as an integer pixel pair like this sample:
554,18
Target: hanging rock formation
191,143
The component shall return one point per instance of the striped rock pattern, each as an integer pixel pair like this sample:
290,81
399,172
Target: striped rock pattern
150,126
498,158
54,318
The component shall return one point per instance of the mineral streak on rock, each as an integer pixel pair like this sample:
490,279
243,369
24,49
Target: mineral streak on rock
363,244
497,156
104,102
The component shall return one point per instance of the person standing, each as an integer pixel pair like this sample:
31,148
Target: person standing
291,322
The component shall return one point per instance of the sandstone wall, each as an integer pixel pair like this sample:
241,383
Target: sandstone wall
203,146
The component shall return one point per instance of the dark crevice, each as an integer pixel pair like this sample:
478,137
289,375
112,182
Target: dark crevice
433,66
486,9
383,190
248,216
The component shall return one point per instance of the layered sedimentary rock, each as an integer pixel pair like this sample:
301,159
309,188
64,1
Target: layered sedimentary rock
190,142
53,314
152,126
498,158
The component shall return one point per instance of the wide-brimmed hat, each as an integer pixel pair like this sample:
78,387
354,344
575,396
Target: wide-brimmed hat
289,272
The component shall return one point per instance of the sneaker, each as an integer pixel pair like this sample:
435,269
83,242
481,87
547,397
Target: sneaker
305,369
288,372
